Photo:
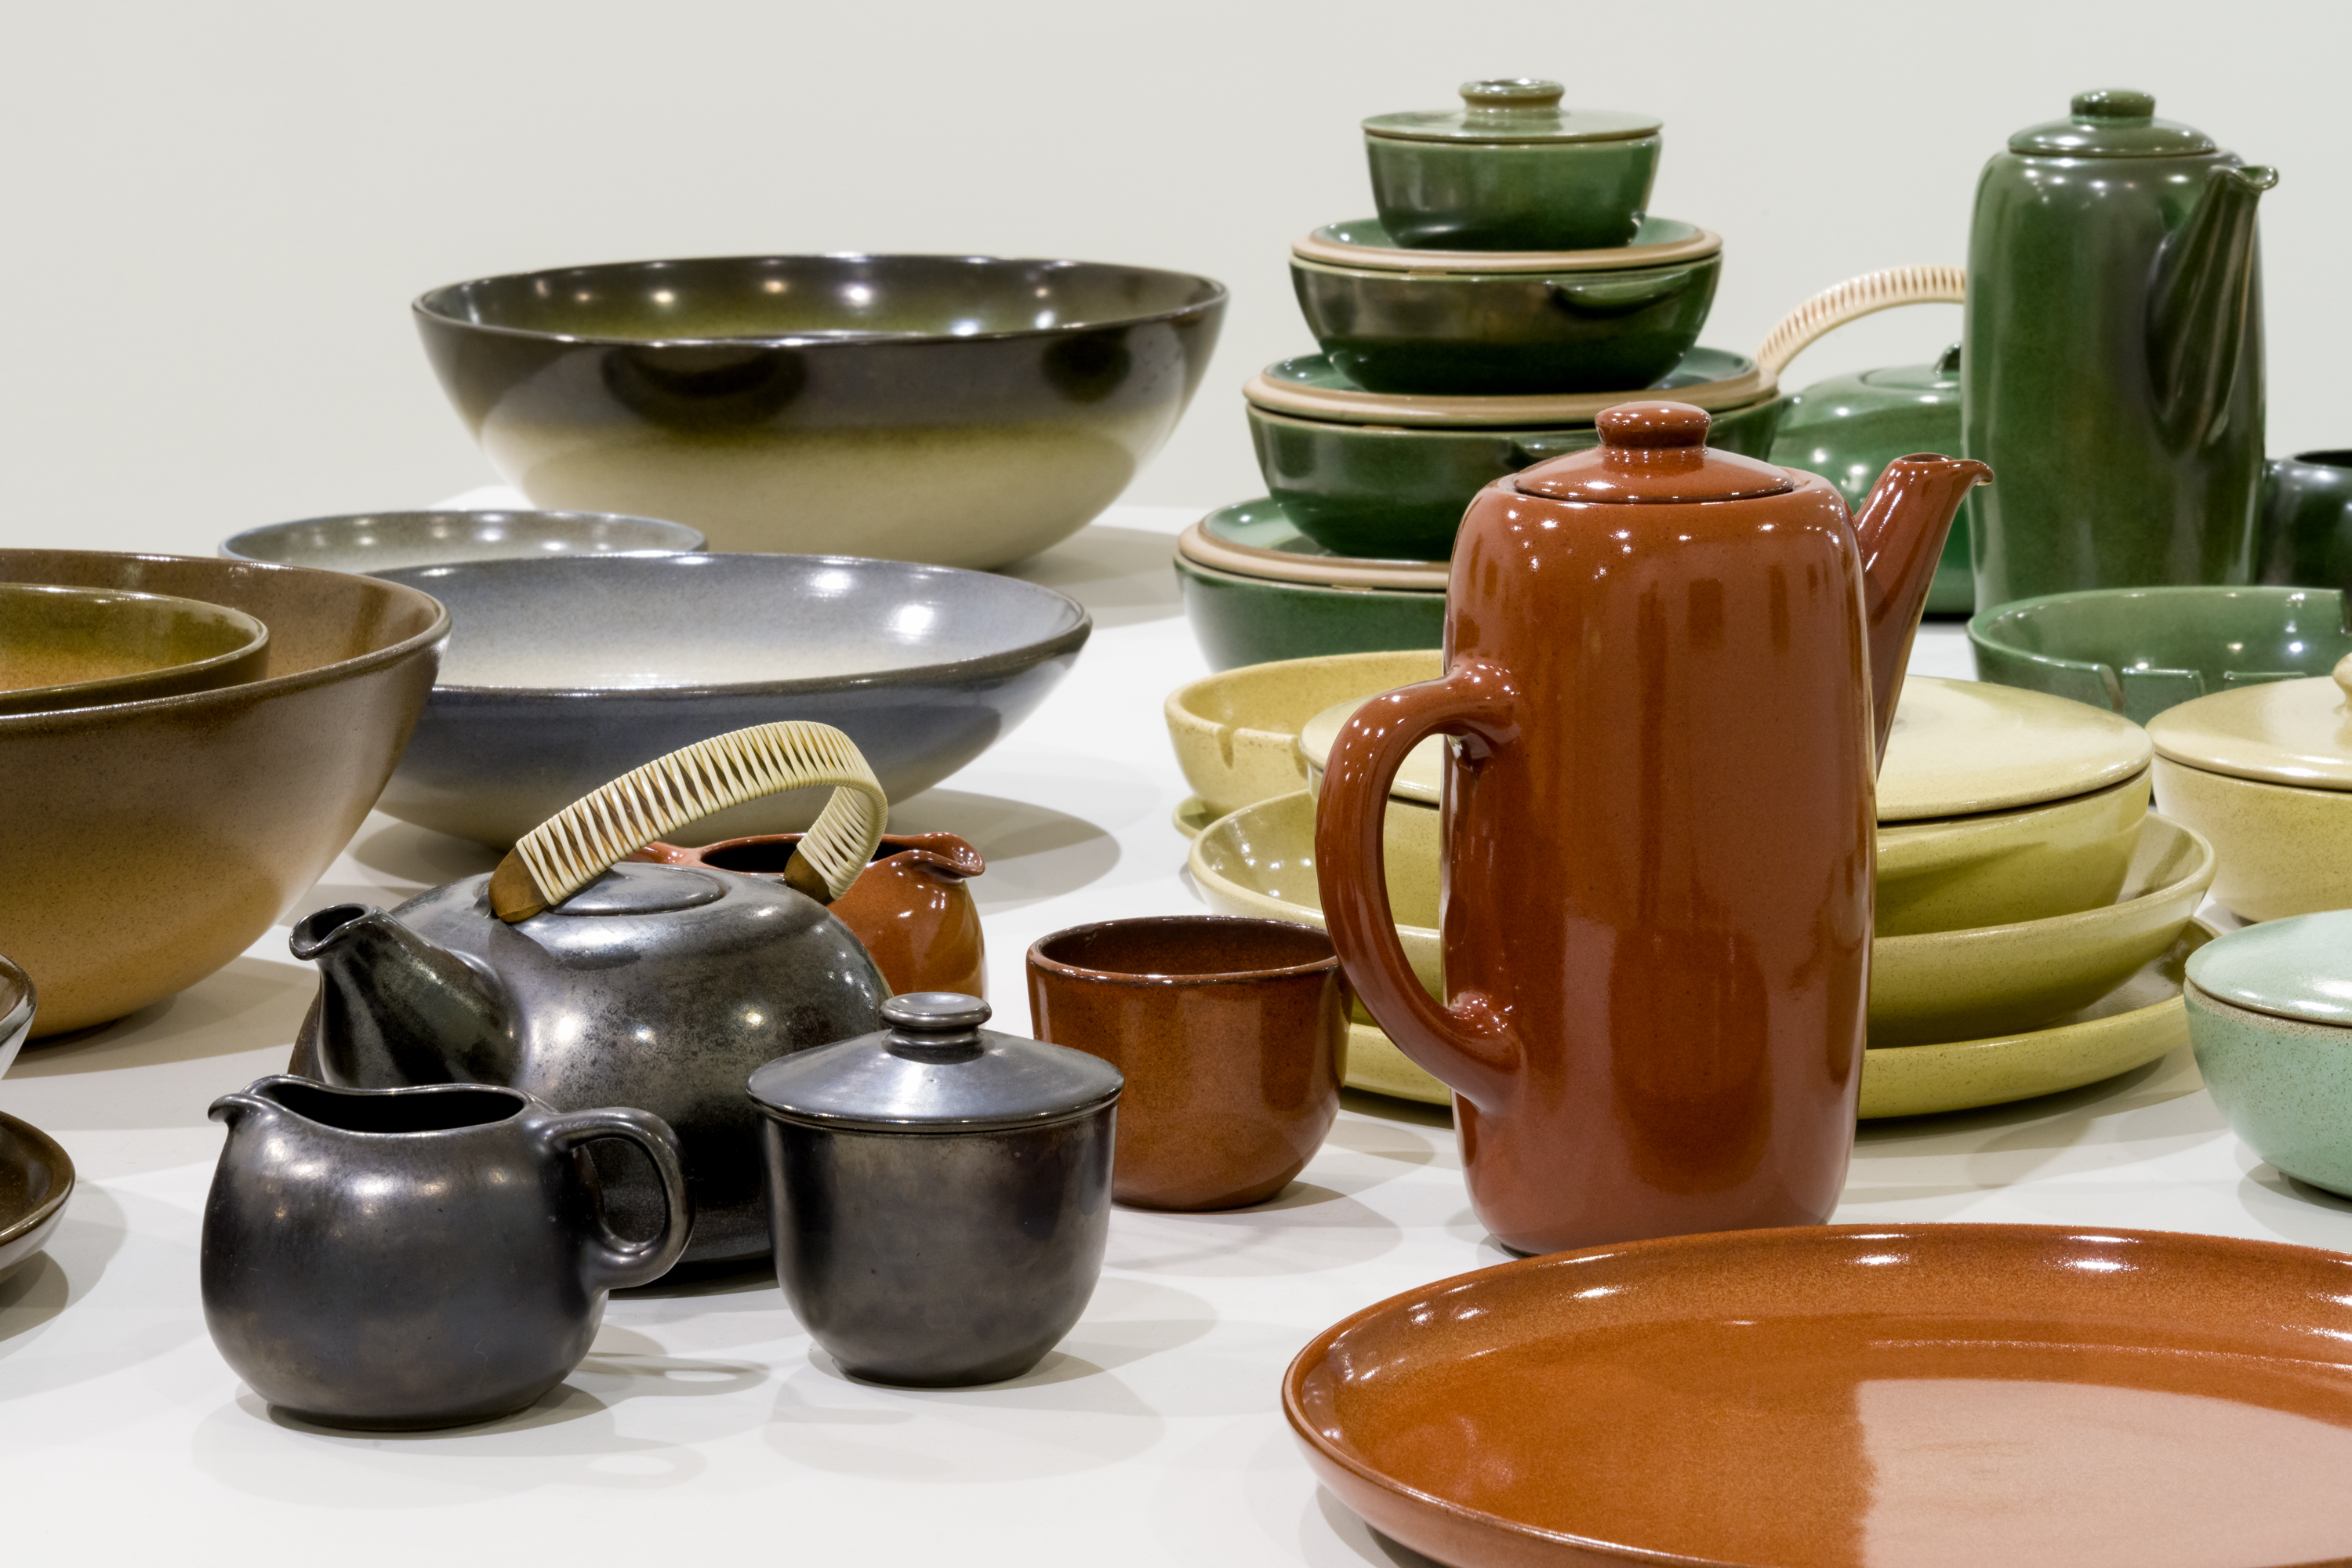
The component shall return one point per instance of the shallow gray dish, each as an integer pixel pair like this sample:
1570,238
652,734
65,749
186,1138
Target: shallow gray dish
564,673
369,542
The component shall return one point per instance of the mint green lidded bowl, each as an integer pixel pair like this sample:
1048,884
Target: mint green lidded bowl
2270,1016
1511,170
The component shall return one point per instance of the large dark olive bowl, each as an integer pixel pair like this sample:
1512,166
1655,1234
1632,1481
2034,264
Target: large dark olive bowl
964,411
566,672
143,844
1398,491
1505,333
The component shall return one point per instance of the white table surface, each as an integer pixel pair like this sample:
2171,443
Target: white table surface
704,1427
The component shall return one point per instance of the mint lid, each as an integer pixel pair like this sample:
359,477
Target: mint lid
2297,968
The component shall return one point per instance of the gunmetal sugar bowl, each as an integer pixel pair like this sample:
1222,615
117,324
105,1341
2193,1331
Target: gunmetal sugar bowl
939,1193
413,1258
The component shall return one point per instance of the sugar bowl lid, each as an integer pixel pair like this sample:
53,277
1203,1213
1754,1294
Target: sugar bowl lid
2111,122
1513,109
1964,746
2297,968
2286,731
1653,453
935,1069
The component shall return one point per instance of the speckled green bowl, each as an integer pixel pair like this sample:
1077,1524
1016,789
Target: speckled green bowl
2270,1016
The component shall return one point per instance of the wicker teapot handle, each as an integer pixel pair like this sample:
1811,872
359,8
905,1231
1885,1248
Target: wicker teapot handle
586,839
1855,298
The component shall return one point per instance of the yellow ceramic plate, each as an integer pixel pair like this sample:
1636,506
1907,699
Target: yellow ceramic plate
2135,1023
1236,732
1959,747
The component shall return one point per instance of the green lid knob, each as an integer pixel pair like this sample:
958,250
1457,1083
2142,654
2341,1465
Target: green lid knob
1511,95
2115,103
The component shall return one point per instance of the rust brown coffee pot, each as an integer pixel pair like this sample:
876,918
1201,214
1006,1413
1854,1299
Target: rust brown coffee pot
1669,670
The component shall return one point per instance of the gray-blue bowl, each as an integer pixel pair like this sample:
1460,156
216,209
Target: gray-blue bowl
563,673
371,543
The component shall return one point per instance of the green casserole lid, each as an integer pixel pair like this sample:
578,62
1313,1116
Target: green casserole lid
1513,109
2111,122
2298,968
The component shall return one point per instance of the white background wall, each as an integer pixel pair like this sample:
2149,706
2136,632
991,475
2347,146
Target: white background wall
216,214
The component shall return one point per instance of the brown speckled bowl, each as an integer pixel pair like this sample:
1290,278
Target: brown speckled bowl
1233,1033
143,844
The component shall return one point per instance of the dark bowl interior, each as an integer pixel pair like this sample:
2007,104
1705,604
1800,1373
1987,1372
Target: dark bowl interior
784,298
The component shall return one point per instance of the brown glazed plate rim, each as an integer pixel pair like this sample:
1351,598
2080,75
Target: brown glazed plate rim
1214,299
246,691
61,1185
1038,960
2022,1238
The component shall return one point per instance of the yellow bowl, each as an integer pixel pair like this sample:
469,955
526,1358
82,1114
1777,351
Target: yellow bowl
2284,850
1236,732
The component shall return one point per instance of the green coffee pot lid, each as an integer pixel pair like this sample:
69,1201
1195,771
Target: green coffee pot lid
2111,122
1513,109
2298,968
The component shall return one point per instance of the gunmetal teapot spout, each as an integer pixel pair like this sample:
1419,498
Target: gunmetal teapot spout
395,1009
1900,530
2200,304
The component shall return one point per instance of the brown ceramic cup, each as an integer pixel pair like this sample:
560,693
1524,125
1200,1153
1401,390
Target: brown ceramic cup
1233,1037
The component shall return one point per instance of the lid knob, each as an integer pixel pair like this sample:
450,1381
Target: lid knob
2115,103
1511,95
935,1023
1651,426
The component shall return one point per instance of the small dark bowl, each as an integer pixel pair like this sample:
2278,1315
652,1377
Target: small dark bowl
369,542
2307,521
36,1180
965,411
1506,333
564,673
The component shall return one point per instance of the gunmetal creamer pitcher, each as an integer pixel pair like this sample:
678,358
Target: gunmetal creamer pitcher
2112,372
1670,671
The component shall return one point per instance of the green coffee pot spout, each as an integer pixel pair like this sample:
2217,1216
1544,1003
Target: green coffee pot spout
2200,304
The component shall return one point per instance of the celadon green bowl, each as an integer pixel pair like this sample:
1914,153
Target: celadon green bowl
2270,1014
2138,651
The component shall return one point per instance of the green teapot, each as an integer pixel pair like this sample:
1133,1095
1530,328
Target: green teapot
2112,370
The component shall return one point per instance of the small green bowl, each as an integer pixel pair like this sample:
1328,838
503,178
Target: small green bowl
2273,1033
1252,620
2138,651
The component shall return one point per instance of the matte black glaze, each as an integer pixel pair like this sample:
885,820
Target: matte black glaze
667,1003
418,1257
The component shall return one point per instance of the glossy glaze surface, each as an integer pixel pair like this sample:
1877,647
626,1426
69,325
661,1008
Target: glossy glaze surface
220,808
1236,733
1311,387
418,1257
2112,363
1959,747
1233,1037
388,541
1400,490
2299,968
81,647
909,908
1657,897
36,1178
1366,242
17,1004
2283,850
2294,733
2306,521
1512,170
654,986
1505,333
564,673
1988,980
1849,427
1927,1395
1257,539
966,411
2138,651
2285,1084
1250,620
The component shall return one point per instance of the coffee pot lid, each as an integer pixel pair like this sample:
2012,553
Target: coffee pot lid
935,1069
2111,122
1653,453
2295,732
2296,968
1513,109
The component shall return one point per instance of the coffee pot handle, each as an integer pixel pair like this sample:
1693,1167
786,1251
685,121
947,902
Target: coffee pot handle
612,1264
1467,1044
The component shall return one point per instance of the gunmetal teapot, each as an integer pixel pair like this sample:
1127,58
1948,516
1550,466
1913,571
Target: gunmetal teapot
588,983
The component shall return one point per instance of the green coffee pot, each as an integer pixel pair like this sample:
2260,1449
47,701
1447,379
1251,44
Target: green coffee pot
2112,370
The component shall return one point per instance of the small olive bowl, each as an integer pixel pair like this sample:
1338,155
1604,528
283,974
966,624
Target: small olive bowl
1505,333
2283,1077
2138,651
368,542
83,648
958,410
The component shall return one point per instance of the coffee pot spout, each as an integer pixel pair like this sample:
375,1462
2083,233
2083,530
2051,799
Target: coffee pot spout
2200,304
394,1009
1901,530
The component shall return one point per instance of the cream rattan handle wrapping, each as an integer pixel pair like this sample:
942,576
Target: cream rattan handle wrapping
1856,298
582,841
